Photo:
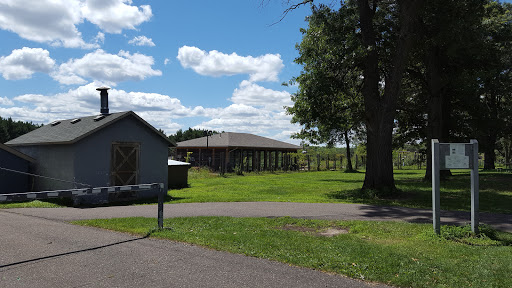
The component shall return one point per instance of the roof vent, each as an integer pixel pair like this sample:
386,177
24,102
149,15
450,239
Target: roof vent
99,117
104,99
75,120
54,123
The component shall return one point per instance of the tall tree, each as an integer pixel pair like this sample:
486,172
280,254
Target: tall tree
382,74
494,82
328,101
384,32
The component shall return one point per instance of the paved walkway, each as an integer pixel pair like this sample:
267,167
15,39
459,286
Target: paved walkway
41,250
271,209
38,252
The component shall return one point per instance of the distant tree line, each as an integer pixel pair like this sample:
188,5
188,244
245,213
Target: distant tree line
189,134
10,129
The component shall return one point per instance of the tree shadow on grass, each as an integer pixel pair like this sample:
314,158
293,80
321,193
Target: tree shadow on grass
501,222
341,180
358,196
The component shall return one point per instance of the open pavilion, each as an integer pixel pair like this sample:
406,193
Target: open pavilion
229,150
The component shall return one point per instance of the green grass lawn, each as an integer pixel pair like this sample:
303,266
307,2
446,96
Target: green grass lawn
338,187
53,203
400,254
331,187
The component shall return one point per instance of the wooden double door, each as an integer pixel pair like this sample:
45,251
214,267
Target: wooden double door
125,164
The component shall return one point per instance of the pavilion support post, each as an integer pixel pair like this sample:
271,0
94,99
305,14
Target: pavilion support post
213,159
276,159
248,160
258,156
265,160
253,159
221,163
226,160
271,160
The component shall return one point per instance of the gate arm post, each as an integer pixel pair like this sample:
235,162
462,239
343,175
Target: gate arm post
161,196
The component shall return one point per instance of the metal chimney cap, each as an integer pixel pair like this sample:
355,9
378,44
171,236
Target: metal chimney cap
103,88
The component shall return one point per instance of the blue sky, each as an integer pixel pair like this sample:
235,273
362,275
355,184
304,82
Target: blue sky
205,64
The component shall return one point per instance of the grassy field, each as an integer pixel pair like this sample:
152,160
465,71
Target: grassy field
400,254
338,187
331,187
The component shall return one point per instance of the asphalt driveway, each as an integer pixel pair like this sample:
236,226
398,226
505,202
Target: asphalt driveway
38,252
40,249
331,211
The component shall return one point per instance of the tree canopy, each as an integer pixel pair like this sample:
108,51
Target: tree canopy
188,134
10,129
410,71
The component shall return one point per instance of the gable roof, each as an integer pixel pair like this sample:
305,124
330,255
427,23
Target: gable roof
17,153
72,130
231,139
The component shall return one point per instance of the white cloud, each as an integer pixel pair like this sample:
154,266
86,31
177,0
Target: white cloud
44,21
4,101
55,21
253,94
247,119
166,61
24,62
159,110
100,38
107,68
215,63
113,16
162,111
142,41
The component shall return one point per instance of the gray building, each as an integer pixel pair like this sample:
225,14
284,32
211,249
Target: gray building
104,150
11,163
229,149
177,174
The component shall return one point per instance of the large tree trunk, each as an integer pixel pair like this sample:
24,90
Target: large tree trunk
493,128
380,110
439,112
489,158
508,152
349,155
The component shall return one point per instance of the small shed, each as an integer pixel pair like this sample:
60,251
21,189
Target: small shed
177,173
229,150
12,162
109,149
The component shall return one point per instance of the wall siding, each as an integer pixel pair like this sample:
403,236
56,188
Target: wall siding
11,182
55,161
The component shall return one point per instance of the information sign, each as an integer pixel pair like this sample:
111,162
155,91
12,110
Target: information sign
457,158
447,156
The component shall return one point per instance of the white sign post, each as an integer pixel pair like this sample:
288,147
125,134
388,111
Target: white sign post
446,156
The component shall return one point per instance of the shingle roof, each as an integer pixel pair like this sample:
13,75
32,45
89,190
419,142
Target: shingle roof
71,130
231,139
